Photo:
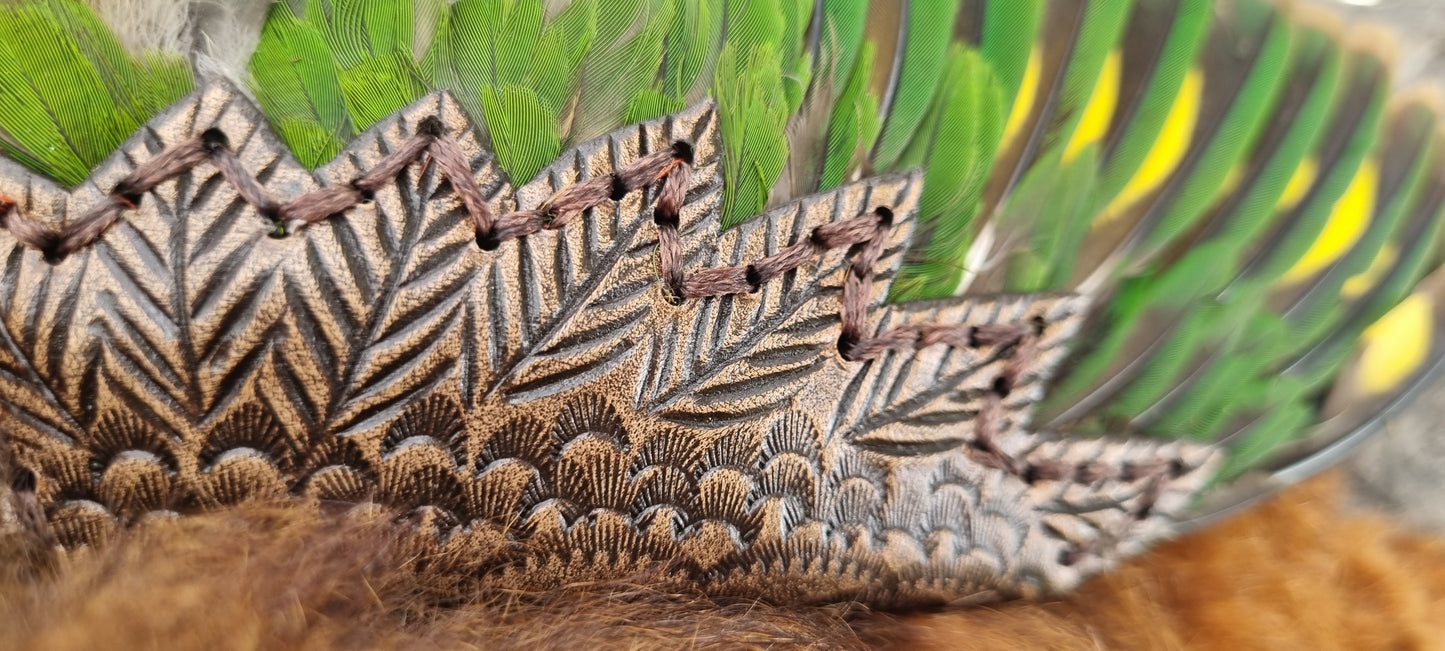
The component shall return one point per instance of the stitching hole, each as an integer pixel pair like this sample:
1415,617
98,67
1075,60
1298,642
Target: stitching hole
431,125
1001,387
214,140
682,151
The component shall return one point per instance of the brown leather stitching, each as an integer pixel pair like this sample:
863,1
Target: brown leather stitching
1020,342
1154,474
866,234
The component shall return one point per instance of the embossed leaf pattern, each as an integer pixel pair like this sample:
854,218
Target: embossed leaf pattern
547,392
729,359
187,304
587,287
378,298
129,319
917,404
39,326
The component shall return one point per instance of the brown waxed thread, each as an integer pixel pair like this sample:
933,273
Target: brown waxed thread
867,233
671,166
1023,342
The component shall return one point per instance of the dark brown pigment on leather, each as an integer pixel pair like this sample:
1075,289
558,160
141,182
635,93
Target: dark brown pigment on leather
865,234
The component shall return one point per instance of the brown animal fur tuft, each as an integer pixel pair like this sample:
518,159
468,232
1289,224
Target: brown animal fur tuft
1296,573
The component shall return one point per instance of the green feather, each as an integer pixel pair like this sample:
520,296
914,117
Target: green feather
842,41
693,42
1050,202
1354,130
378,86
1010,29
1405,155
1242,214
1056,219
752,25
960,144
1315,324
298,87
690,46
1159,299
1238,220
925,55
651,103
1162,74
164,77
524,132
1325,358
854,124
1098,35
797,64
69,92
576,29
1219,391
619,66
1264,436
518,73
1234,129
371,44
752,121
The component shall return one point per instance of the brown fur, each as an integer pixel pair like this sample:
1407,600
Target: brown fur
1297,572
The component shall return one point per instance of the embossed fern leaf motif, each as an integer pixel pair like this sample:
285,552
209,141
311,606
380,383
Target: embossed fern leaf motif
129,318
185,314
585,289
904,403
725,360
379,297
38,327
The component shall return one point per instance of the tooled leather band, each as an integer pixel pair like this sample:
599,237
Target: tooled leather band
670,169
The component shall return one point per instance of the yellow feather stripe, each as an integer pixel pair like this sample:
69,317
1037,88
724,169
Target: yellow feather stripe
1393,348
1358,284
1028,94
1299,184
1168,151
1348,220
1099,113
